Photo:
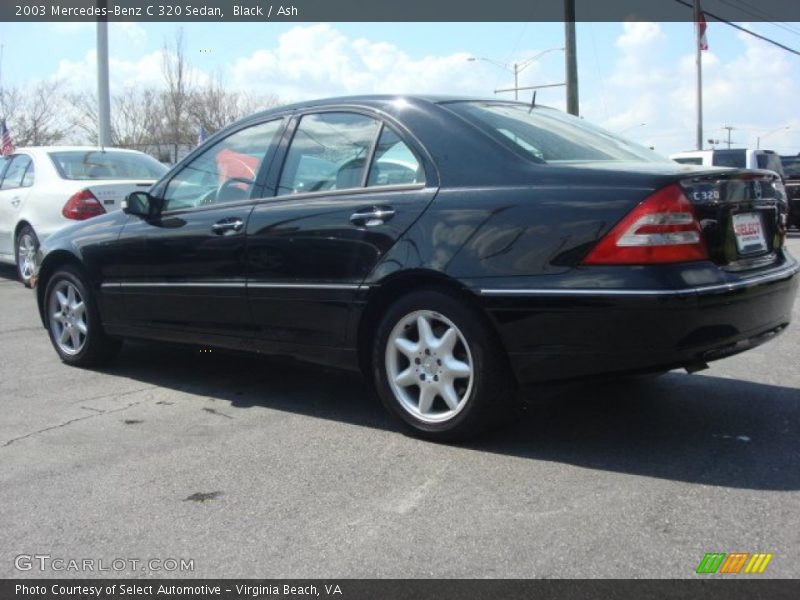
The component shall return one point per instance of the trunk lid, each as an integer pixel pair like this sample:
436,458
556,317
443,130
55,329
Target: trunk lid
742,215
110,193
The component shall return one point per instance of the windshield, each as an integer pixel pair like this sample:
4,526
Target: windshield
791,167
771,161
95,164
549,136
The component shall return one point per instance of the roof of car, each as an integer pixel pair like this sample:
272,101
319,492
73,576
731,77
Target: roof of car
377,101
40,149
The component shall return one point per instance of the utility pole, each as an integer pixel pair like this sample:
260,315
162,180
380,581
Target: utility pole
570,57
729,128
699,63
103,101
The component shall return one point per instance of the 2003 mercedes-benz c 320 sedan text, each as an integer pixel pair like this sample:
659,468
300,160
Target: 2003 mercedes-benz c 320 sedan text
452,249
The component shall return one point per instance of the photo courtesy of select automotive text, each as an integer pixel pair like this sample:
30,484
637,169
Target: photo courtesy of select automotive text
419,300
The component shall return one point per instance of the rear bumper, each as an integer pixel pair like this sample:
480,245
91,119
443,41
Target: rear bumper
553,334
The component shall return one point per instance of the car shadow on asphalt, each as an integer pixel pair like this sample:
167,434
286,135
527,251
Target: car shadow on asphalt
694,428
8,272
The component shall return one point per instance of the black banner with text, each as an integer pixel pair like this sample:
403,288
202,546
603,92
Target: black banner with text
398,589
407,10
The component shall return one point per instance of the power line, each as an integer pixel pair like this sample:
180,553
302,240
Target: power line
740,28
760,14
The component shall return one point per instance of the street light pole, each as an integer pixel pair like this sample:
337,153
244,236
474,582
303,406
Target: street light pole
516,81
632,127
758,139
516,68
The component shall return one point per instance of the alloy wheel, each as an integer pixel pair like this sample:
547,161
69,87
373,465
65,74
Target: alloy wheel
68,318
26,253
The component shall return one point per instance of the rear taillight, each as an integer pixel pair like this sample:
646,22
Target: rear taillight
82,205
661,229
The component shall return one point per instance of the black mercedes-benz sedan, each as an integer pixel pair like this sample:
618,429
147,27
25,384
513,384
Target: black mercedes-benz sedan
451,249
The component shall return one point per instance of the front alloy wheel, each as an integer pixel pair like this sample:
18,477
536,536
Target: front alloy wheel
68,324
73,321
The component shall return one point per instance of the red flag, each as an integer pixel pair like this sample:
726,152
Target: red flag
701,32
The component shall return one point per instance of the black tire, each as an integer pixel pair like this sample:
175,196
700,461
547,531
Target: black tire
484,398
24,266
93,348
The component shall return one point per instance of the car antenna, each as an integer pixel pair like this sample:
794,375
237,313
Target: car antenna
533,102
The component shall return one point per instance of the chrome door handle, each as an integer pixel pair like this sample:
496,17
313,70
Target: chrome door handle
227,226
377,215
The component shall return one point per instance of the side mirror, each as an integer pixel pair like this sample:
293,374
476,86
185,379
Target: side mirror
142,204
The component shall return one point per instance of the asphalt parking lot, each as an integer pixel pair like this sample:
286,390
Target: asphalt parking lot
254,468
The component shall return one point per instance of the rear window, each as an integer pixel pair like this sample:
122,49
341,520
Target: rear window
729,158
550,136
80,164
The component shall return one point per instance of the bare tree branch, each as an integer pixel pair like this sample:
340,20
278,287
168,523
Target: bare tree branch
36,114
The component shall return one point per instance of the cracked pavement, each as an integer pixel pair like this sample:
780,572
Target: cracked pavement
257,468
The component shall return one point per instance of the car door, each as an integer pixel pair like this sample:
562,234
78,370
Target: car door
350,185
185,269
14,189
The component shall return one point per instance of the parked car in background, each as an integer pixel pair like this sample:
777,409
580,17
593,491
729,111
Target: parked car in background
791,172
740,158
44,188
452,249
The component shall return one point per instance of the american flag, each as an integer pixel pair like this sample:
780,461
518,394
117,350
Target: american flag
8,143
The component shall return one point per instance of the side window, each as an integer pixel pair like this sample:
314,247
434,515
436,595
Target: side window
329,151
15,171
225,172
4,160
27,179
394,162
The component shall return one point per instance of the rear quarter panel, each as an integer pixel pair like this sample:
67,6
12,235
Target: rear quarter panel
43,205
539,230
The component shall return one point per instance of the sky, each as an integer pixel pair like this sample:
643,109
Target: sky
635,78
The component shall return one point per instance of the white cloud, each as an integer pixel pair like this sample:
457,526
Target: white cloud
307,62
640,36
123,73
319,60
127,32
755,91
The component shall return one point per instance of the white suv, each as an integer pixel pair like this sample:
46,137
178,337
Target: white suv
742,158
